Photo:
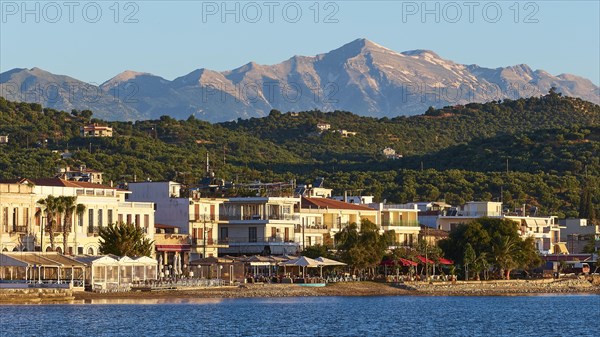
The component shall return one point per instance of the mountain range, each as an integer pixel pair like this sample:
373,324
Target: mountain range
361,76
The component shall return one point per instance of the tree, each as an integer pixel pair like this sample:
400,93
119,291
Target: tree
362,249
494,242
124,239
316,251
70,206
468,259
586,206
50,209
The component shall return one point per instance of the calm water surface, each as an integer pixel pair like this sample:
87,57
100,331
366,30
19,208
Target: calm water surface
562,315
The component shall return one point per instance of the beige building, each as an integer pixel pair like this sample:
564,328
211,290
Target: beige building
21,230
323,218
96,130
259,225
81,173
544,230
402,219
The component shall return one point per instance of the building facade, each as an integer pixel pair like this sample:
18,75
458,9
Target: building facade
22,230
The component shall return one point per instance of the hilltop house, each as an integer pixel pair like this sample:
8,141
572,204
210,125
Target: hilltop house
390,153
3,139
323,126
82,173
96,130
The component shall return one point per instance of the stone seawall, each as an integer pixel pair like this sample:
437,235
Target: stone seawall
517,287
35,295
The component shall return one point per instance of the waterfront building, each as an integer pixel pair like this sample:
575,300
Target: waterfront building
259,225
22,230
543,229
187,212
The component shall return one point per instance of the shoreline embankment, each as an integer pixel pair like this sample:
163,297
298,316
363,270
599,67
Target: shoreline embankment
579,285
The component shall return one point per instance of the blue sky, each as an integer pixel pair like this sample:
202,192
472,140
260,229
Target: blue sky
171,39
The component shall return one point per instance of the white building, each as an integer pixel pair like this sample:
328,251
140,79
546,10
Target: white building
191,214
259,225
21,230
544,230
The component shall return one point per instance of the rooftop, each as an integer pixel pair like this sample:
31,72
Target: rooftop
333,204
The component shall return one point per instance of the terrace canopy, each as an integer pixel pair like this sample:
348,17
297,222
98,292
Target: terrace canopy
44,268
304,262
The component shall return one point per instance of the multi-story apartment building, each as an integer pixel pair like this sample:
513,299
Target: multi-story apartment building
402,219
22,230
193,216
544,230
259,225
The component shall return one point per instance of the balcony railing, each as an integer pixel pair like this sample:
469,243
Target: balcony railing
255,240
401,223
19,229
288,217
202,242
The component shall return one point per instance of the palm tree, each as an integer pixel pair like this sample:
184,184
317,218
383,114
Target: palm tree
124,239
49,210
505,250
70,206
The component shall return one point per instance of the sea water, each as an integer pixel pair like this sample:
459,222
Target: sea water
542,315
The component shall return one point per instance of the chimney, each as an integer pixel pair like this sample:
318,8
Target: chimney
345,196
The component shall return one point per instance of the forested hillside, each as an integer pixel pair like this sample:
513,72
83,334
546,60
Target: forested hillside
541,151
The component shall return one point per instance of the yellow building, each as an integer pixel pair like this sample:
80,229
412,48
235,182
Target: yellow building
21,230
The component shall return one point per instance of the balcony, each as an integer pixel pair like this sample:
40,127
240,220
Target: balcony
18,229
93,231
263,241
401,223
260,217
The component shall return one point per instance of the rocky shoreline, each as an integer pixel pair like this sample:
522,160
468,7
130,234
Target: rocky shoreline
581,285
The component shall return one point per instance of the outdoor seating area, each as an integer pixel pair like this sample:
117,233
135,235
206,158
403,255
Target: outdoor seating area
28,269
423,269
113,273
264,269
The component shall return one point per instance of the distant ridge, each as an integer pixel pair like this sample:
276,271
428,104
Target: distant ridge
361,76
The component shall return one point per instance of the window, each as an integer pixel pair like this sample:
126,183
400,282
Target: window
137,220
252,234
80,221
224,234
79,250
5,219
129,219
109,216
15,219
273,232
120,217
287,234
91,221
26,217
38,219
100,223
146,221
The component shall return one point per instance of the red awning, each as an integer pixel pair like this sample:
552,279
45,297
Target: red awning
424,260
173,248
445,261
400,261
408,263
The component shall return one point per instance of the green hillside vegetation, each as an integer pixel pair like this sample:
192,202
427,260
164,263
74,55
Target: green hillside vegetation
455,153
